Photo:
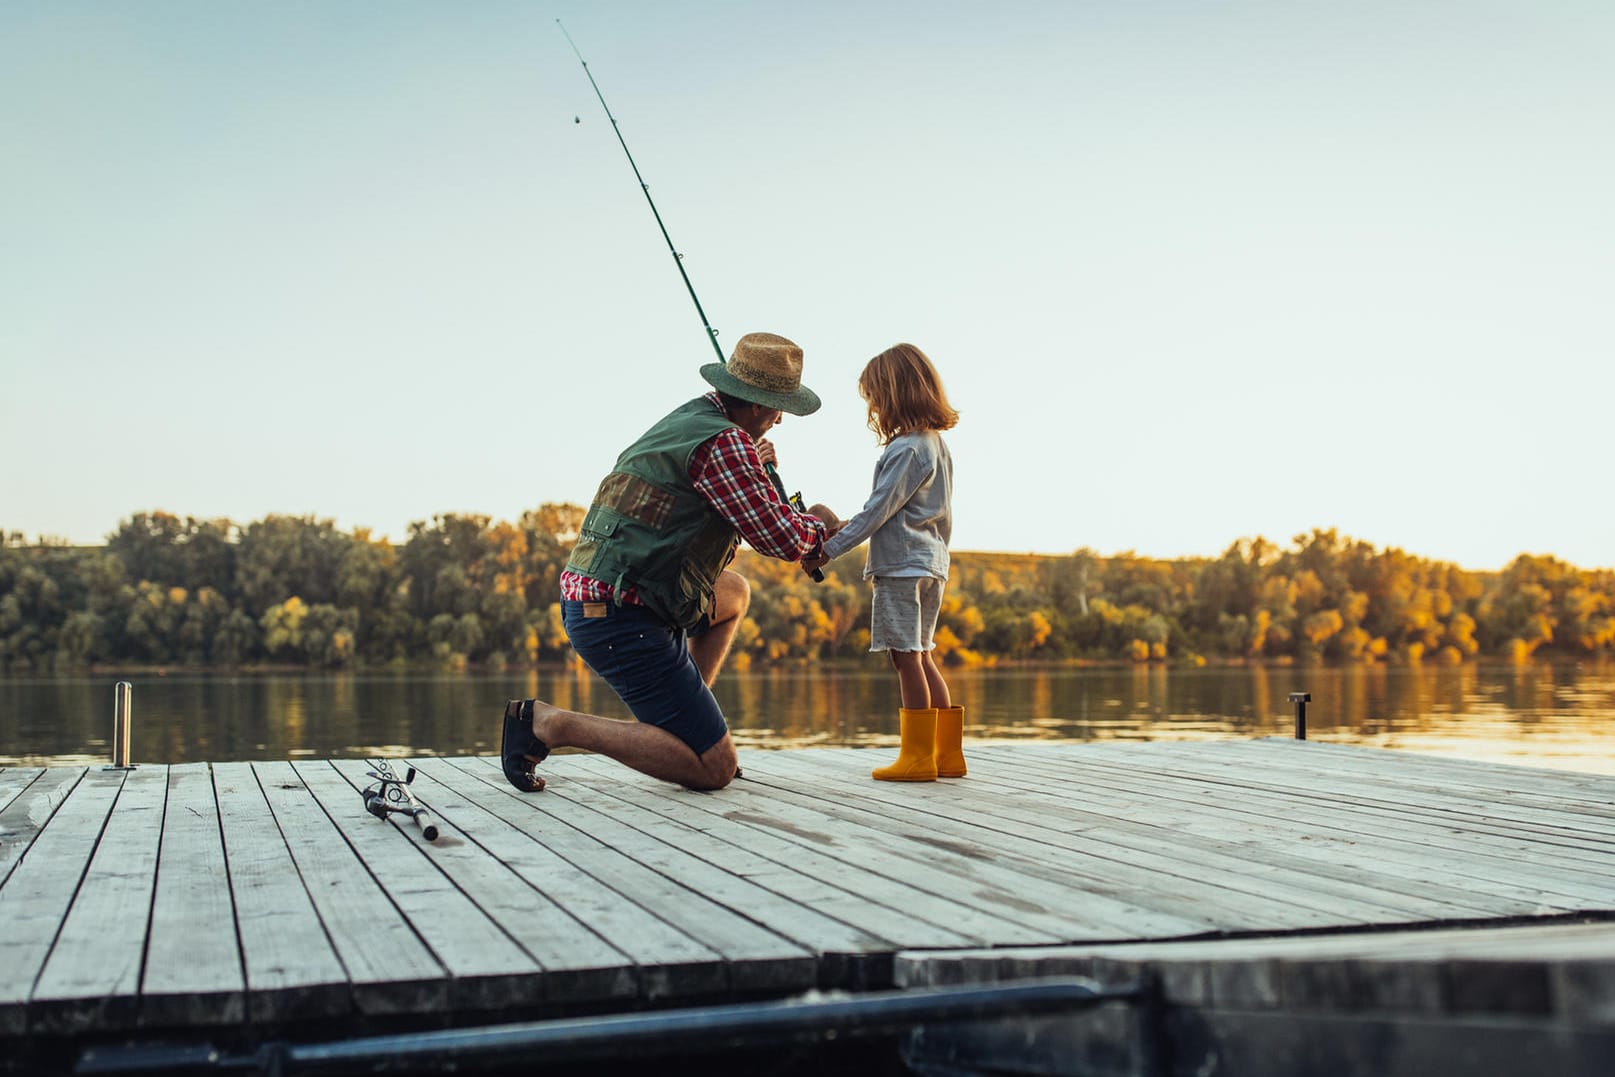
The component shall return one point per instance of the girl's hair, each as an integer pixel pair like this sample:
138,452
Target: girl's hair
904,394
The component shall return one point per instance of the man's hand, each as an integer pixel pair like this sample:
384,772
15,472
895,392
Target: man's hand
813,562
766,453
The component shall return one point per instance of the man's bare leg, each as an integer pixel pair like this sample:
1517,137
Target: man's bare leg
731,596
646,748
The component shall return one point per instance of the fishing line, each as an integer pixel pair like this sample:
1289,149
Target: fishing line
678,259
794,500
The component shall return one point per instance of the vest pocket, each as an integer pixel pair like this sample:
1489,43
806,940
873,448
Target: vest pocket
695,592
597,528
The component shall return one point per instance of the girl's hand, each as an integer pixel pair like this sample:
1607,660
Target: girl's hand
832,522
765,451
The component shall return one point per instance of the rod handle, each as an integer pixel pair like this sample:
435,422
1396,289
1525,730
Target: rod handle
793,500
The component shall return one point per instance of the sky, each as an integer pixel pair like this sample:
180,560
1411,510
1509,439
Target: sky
1191,271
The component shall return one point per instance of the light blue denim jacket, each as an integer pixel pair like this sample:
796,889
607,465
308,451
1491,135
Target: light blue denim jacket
908,518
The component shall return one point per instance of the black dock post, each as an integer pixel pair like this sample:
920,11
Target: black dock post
1300,699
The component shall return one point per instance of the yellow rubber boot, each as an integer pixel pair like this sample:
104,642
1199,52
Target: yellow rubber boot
950,734
916,760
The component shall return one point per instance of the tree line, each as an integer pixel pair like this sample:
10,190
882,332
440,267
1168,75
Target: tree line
465,590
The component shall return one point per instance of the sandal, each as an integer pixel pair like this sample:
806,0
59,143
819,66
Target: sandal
519,750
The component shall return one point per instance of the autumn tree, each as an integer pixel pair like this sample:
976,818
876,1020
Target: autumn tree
468,590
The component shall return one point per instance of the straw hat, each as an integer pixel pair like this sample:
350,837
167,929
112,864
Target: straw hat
764,369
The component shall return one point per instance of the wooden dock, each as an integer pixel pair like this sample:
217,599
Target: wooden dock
235,903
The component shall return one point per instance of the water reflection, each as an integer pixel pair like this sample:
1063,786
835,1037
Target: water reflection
1545,714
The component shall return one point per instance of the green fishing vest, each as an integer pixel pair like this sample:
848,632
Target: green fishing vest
649,529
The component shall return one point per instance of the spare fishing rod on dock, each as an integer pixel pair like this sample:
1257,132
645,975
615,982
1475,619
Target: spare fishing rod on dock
392,794
794,500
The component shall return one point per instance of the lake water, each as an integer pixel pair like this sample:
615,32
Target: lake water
1551,715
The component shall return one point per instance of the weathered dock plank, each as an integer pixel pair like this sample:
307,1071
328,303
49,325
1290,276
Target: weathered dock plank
291,969
28,808
1554,789
666,962
754,957
1391,787
721,874
39,891
1121,858
92,976
485,967
389,968
496,867
13,780
1385,812
1005,880
241,900
843,892
193,971
1329,839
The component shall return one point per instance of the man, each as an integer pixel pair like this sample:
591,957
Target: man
646,597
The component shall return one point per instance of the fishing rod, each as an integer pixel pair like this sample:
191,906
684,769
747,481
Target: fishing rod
794,500
678,259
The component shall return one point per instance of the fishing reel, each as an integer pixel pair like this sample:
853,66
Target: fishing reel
799,505
392,794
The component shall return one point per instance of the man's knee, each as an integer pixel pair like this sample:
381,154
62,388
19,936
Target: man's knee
731,596
718,765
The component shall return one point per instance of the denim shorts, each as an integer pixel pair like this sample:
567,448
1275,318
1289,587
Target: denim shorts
647,662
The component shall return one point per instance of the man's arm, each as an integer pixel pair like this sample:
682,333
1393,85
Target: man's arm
729,475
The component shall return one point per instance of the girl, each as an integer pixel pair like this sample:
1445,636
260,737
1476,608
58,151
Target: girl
908,520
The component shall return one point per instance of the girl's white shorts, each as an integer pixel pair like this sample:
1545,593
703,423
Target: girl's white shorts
904,613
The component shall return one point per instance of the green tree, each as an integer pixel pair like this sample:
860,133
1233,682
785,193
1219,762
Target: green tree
237,640
282,627
79,641
284,556
326,636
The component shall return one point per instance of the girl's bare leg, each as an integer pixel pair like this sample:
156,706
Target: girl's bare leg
934,683
912,680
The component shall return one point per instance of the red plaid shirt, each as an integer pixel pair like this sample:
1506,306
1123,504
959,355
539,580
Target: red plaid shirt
729,476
